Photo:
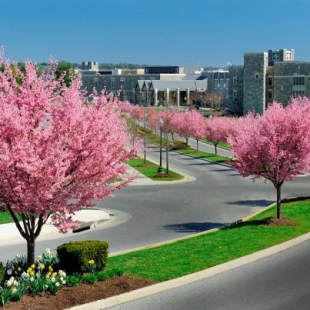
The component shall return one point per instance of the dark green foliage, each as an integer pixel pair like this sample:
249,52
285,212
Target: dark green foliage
65,69
122,65
111,273
115,272
76,256
178,145
89,278
72,280
102,276
2,273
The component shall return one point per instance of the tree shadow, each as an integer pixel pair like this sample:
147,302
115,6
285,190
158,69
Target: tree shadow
251,203
193,227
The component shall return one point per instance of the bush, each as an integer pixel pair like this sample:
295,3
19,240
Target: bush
73,280
89,278
16,266
2,273
178,145
115,272
76,256
102,276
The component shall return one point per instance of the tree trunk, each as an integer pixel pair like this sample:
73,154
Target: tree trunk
167,155
278,188
215,149
30,251
197,144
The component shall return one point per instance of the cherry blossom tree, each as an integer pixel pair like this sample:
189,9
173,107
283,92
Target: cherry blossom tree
59,150
217,130
274,146
190,124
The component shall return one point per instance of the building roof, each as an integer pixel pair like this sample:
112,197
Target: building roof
192,85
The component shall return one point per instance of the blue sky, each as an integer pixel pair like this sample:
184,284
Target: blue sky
153,32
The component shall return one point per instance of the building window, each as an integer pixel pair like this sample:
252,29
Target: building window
270,81
270,95
299,80
235,94
234,81
256,76
113,84
298,93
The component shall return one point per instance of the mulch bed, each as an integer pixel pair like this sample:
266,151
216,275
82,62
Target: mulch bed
69,297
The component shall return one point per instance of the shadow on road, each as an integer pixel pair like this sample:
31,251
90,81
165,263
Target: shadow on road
193,227
251,203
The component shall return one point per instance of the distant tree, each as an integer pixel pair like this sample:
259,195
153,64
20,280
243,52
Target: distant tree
274,146
189,124
65,70
217,130
57,153
120,65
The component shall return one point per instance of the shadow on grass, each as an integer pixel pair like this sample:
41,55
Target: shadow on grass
251,203
240,224
193,227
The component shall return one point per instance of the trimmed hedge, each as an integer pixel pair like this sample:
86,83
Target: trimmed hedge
76,256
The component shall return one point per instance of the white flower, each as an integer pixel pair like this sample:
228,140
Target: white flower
14,290
62,273
15,283
9,283
48,252
57,284
9,272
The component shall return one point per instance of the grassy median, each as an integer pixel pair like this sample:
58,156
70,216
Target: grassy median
187,256
150,170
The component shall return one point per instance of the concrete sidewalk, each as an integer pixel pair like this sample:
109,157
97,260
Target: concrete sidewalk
88,219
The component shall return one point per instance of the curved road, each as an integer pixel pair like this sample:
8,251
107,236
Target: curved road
277,282
144,215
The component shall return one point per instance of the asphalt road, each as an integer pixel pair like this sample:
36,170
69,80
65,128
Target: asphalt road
144,215
277,282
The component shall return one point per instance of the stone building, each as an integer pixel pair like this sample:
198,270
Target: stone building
169,92
131,81
267,77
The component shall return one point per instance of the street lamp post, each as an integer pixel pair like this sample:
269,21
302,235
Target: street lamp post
161,125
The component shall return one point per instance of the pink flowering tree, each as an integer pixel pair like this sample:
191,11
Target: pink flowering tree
59,151
217,130
190,124
274,146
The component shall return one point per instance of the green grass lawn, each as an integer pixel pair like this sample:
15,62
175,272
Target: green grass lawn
204,251
150,170
5,217
204,155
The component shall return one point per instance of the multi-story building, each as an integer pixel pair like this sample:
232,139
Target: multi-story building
218,86
169,92
267,77
133,83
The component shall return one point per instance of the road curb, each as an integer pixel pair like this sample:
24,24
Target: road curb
161,287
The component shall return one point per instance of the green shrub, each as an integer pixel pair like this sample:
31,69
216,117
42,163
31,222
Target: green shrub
115,272
89,278
16,266
178,145
2,273
73,280
76,256
102,276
